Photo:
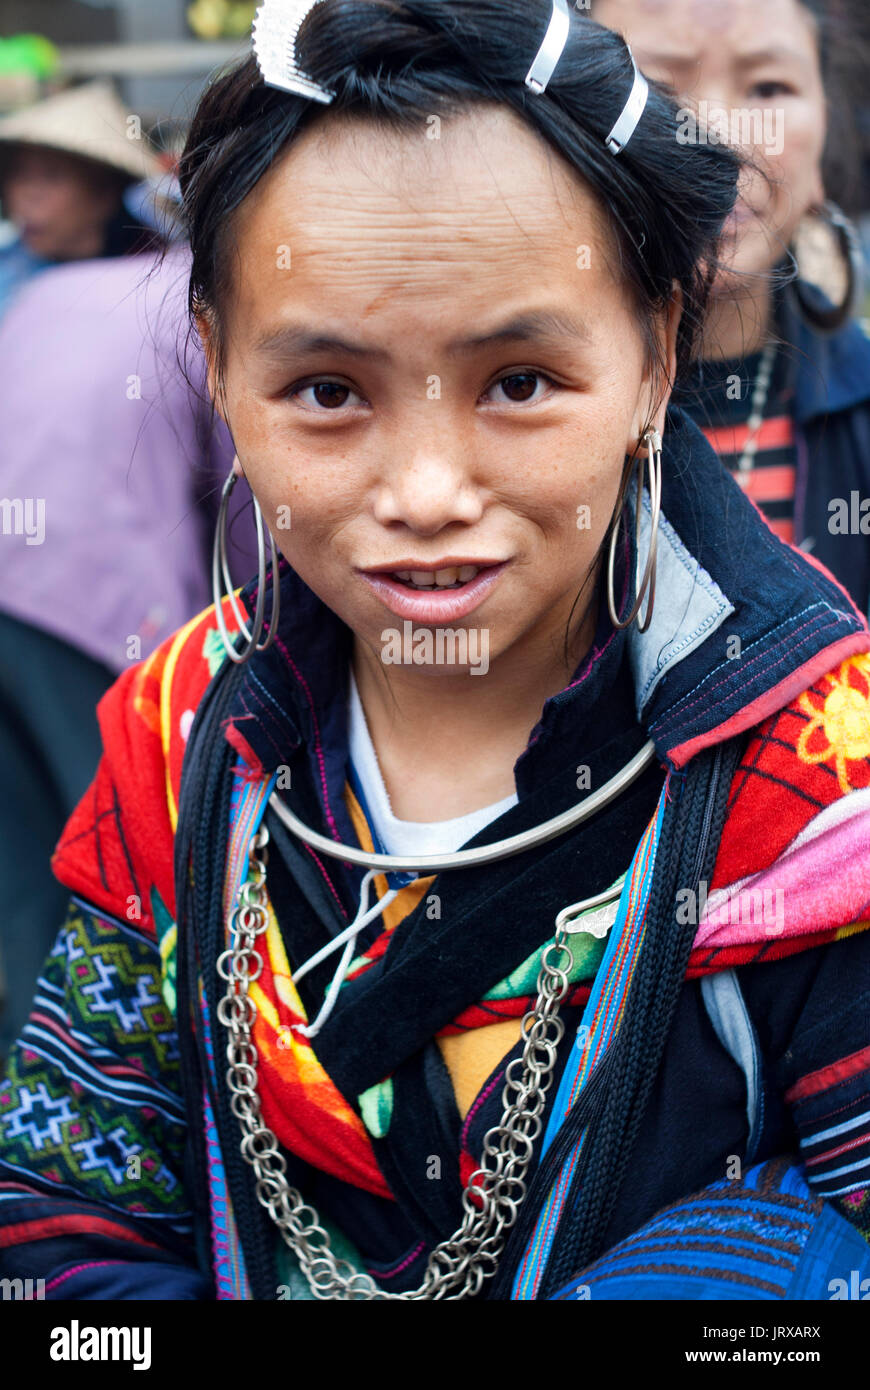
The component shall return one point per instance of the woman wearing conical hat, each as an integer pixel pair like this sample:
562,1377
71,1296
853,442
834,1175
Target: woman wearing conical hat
65,164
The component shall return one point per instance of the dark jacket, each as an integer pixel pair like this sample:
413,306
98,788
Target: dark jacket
832,419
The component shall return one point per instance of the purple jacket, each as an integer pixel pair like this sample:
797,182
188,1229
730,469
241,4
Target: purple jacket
111,467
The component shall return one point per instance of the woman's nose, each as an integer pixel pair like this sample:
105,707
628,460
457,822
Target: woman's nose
429,489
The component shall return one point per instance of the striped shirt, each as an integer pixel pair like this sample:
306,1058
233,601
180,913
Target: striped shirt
719,400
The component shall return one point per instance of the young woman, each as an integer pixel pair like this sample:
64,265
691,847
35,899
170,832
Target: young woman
783,391
490,878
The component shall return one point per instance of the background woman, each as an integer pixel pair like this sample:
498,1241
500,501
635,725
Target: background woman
65,164
783,393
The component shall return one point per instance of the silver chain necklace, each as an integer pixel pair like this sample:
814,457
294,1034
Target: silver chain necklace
457,1267
756,410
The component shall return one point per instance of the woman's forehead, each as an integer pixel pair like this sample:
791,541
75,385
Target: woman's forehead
692,30
354,205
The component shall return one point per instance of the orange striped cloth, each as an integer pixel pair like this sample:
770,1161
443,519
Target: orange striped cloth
720,404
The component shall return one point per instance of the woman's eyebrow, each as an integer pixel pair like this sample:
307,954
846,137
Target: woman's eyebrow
776,53
649,57
679,62
538,324
292,341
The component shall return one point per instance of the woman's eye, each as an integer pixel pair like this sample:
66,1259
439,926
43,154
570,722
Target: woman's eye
520,387
767,91
321,396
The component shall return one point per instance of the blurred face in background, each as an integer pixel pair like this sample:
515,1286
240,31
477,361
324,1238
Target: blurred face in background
760,63
59,203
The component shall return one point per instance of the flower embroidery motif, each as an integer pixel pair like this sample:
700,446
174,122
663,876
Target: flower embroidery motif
213,649
838,728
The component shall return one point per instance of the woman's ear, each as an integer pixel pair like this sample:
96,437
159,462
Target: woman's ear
207,338
659,379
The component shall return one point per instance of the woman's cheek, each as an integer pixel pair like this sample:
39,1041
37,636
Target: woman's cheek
579,517
795,171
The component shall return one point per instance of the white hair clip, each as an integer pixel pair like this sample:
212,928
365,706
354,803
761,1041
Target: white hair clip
551,49
626,122
546,62
276,25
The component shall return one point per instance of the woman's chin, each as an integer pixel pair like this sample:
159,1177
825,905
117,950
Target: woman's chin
746,261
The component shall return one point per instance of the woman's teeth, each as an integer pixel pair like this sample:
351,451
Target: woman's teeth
450,578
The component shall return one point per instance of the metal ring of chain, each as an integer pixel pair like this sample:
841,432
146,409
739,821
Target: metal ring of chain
459,1266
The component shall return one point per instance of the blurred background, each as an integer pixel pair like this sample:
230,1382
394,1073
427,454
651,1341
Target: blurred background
158,51
112,460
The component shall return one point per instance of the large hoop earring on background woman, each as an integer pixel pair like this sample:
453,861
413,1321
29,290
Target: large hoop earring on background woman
848,244
220,570
647,584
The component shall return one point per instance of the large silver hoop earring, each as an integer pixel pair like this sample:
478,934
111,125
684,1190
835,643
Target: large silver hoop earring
220,569
646,587
849,246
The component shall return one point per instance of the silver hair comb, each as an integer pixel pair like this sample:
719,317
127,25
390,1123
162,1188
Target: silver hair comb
276,26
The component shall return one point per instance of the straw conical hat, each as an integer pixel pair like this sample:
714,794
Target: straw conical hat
89,121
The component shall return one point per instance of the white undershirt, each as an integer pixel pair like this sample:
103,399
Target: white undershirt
408,837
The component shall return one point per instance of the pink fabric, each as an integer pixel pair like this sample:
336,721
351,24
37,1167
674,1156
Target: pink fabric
820,882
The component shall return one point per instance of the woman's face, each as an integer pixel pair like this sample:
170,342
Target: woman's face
429,367
757,68
59,203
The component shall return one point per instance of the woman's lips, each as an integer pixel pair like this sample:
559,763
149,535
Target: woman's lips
430,606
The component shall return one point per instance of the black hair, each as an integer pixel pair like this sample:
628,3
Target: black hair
401,61
844,53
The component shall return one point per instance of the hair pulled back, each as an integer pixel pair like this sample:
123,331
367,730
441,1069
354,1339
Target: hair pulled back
400,62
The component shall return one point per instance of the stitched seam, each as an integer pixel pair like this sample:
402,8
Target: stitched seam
329,881
781,642
266,712
861,1141
787,639
829,1114
477,1104
317,744
673,650
77,1269
408,1260
696,572
255,680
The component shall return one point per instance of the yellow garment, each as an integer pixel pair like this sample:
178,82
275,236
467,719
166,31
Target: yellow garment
471,1057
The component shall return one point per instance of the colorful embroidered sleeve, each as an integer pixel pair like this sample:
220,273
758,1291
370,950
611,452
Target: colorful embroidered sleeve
832,1113
117,848
793,867
793,874
92,1126
827,1069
